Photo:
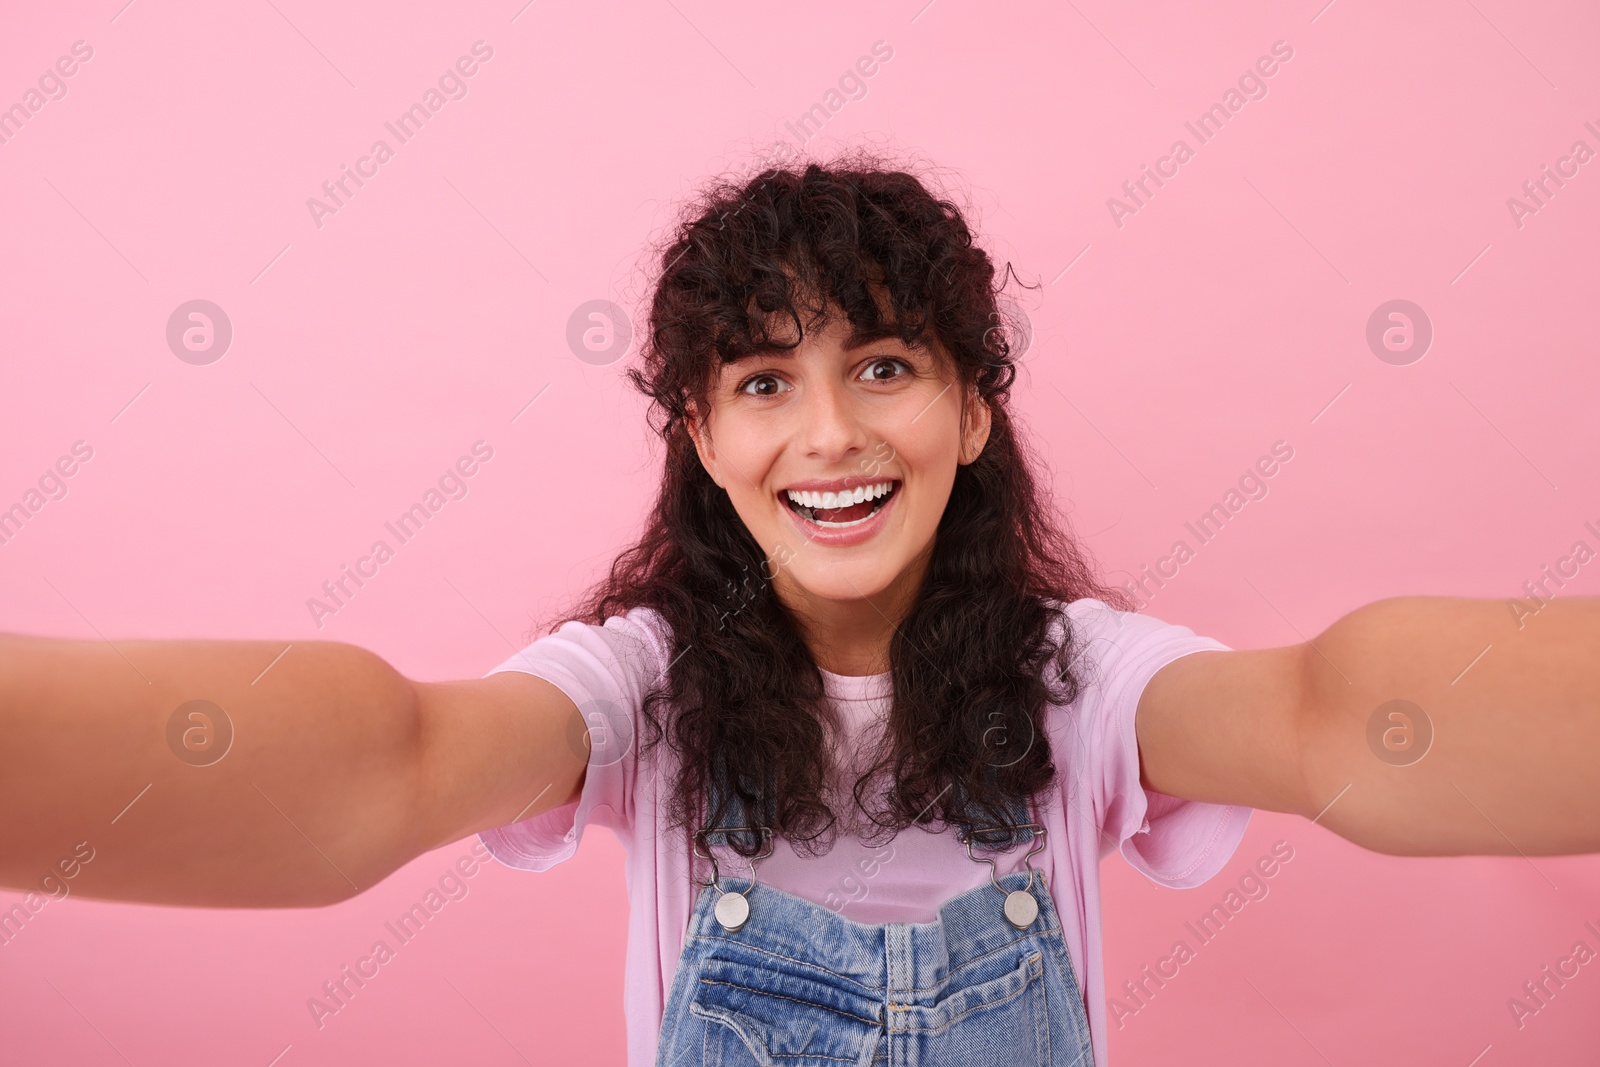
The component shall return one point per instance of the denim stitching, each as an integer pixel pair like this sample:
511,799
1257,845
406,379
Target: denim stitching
767,1052
976,1007
795,1000
1044,1012
878,988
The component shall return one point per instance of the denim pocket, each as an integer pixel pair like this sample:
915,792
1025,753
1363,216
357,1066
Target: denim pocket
1015,995
1004,1019
780,1013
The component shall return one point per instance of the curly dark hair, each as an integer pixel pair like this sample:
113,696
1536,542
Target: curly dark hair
973,663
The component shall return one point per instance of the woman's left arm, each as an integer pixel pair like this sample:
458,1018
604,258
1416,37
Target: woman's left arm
1414,726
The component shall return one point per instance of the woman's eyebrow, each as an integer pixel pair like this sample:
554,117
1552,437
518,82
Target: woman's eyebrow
728,366
885,332
856,340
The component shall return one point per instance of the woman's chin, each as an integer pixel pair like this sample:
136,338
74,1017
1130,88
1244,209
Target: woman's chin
840,580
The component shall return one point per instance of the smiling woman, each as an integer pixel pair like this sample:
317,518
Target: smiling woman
822,330
914,664
818,409
853,614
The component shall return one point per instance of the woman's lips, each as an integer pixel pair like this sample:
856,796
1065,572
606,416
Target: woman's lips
845,536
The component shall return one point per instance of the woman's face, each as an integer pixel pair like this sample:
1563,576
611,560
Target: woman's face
878,419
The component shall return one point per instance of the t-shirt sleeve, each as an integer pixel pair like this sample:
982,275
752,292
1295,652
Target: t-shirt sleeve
606,671
1170,840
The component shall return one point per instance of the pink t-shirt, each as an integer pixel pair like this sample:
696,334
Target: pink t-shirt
1100,806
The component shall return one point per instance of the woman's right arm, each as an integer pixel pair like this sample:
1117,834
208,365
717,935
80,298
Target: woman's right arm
340,770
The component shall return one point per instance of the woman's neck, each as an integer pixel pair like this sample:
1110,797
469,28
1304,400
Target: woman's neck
852,637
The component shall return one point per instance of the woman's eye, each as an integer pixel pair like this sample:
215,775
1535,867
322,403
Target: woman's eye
767,384
885,361
761,380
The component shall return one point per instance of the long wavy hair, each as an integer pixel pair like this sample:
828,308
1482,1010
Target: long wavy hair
973,663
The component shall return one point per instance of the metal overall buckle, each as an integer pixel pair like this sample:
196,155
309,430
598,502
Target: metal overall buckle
1020,907
733,907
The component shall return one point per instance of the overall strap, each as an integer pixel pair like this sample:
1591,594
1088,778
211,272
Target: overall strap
987,835
734,819
1021,907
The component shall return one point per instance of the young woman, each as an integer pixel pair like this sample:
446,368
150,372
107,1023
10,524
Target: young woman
856,707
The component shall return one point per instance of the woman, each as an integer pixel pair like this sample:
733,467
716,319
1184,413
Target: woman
856,707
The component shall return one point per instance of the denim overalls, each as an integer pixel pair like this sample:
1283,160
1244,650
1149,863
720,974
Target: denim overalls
770,978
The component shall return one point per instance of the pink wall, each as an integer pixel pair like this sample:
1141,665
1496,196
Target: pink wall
1173,347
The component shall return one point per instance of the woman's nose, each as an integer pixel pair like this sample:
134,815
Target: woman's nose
832,425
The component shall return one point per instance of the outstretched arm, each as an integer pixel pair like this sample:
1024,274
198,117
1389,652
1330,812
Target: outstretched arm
1412,726
339,769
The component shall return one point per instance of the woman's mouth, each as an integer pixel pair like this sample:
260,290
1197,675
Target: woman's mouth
843,514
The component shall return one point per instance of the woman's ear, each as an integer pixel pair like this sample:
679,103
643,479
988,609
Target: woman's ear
702,441
975,432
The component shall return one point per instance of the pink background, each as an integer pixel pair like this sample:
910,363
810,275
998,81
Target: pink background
1228,313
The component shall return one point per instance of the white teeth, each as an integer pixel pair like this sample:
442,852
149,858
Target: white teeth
809,502
839,500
